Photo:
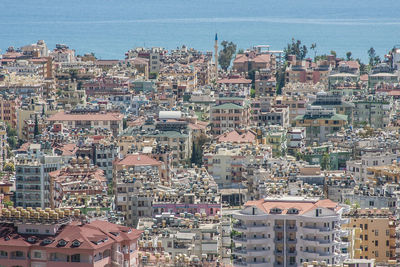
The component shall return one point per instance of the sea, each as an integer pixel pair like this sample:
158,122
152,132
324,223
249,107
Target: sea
109,28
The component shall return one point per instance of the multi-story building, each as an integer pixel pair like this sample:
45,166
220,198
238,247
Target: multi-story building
77,178
335,101
297,104
8,110
226,162
359,168
374,111
263,113
319,123
104,154
372,234
3,144
57,238
88,119
289,231
32,177
229,113
254,60
296,140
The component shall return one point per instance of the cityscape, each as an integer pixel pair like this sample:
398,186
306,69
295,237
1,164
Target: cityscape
258,156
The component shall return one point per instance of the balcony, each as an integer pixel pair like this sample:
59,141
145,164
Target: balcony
240,251
239,227
257,240
291,228
278,252
278,228
292,253
291,241
239,263
278,240
239,239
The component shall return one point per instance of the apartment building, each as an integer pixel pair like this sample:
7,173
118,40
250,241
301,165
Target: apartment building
88,119
359,168
372,234
32,177
330,100
319,123
57,238
226,162
8,110
77,178
374,111
289,231
264,112
229,113
3,144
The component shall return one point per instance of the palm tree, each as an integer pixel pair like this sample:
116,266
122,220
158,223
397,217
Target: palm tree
313,47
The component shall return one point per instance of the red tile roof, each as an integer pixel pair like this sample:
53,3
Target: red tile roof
62,116
352,64
236,137
302,206
138,160
235,81
88,235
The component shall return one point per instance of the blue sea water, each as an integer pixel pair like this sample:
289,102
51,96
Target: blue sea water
110,27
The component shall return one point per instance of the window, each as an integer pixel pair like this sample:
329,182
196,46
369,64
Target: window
62,243
37,254
376,232
3,254
376,243
76,258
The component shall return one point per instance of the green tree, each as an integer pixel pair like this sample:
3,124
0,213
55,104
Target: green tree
8,203
325,161
313,47
363,67
124,123
295,48
197,149
9,167
226,54
333,53
280,79
372,56
240,51
348,56
36,129
11,136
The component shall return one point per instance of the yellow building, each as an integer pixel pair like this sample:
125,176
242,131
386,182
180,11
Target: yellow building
372,234
5,189
319,123
385,173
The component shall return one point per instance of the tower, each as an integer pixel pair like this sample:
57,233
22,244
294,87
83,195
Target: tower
216,57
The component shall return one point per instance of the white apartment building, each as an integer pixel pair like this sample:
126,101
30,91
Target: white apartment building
289,231
358,168
32,177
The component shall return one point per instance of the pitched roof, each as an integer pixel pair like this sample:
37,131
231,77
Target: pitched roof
236,137
63,116
235,81
92,236
138,160
301,206
227,106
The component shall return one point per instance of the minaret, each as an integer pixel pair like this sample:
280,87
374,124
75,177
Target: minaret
216,56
